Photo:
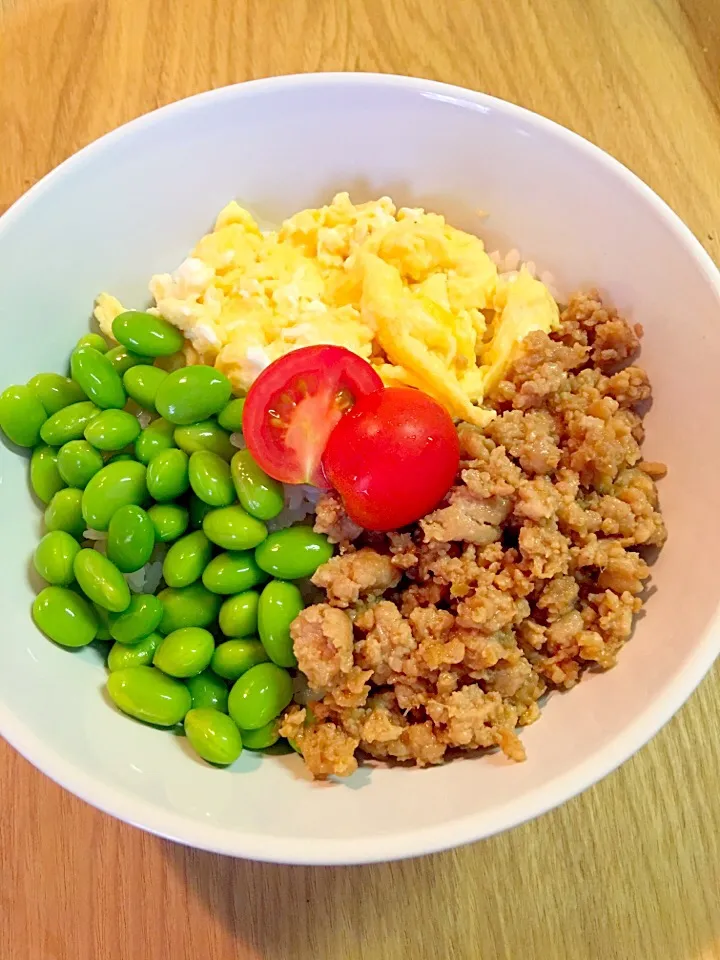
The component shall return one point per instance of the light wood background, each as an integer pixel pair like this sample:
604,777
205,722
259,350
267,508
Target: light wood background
630,870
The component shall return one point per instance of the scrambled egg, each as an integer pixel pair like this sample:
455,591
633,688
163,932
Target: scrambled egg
419,299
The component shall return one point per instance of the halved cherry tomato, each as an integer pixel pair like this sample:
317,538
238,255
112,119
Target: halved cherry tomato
392,458
295,403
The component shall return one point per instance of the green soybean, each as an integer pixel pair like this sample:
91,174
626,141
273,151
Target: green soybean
294,553
233,572
280,603
65,617
233,529
263,737
112,430
68,423
101,581
206,435
167,475
259,695
98,378
233,658
22,416
186,559
213,736
198,511
103,618
78,463
230,417
115,486
64,512
258,493
93,340
210,479
149,695
208,690
147,335
238,615
131,538
170,521
185,652
122,359
121,656
45,476
139,620
141,383
192,606
192,394
155,438
55,392
54,557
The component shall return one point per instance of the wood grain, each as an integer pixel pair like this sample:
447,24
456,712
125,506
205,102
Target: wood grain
630,870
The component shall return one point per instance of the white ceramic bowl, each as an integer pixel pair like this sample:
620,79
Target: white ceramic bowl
133,204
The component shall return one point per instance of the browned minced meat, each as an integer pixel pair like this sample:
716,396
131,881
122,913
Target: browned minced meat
441,638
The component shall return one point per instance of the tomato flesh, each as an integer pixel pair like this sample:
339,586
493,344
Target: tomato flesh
392,458
294,404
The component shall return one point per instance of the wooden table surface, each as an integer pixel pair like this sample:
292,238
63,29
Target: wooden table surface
630,870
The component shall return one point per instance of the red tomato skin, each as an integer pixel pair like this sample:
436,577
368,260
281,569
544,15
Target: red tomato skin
392,458
293,452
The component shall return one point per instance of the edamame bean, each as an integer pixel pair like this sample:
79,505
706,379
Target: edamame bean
142,382
68,423
45,477
155,438
131,538
263,737
192,394
206,435
112,430
233,572
101,581
54,557
141,618
65,617
210,479
22,416
64,512
98,378
192,606
233,658
121,656
93,340
186,559
213,736
258,493
230,418
259,695
55,392
149,695
280,603
103,618
115,486
119,458
198,511
238,616
185,652
294,553
122,359
170,521
147,335
233,529
167,475
208,690
78,463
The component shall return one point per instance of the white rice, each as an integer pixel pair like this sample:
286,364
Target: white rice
511,263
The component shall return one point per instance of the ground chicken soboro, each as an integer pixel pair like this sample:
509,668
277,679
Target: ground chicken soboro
443,637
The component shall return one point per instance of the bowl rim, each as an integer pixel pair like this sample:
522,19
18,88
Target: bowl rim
380,848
